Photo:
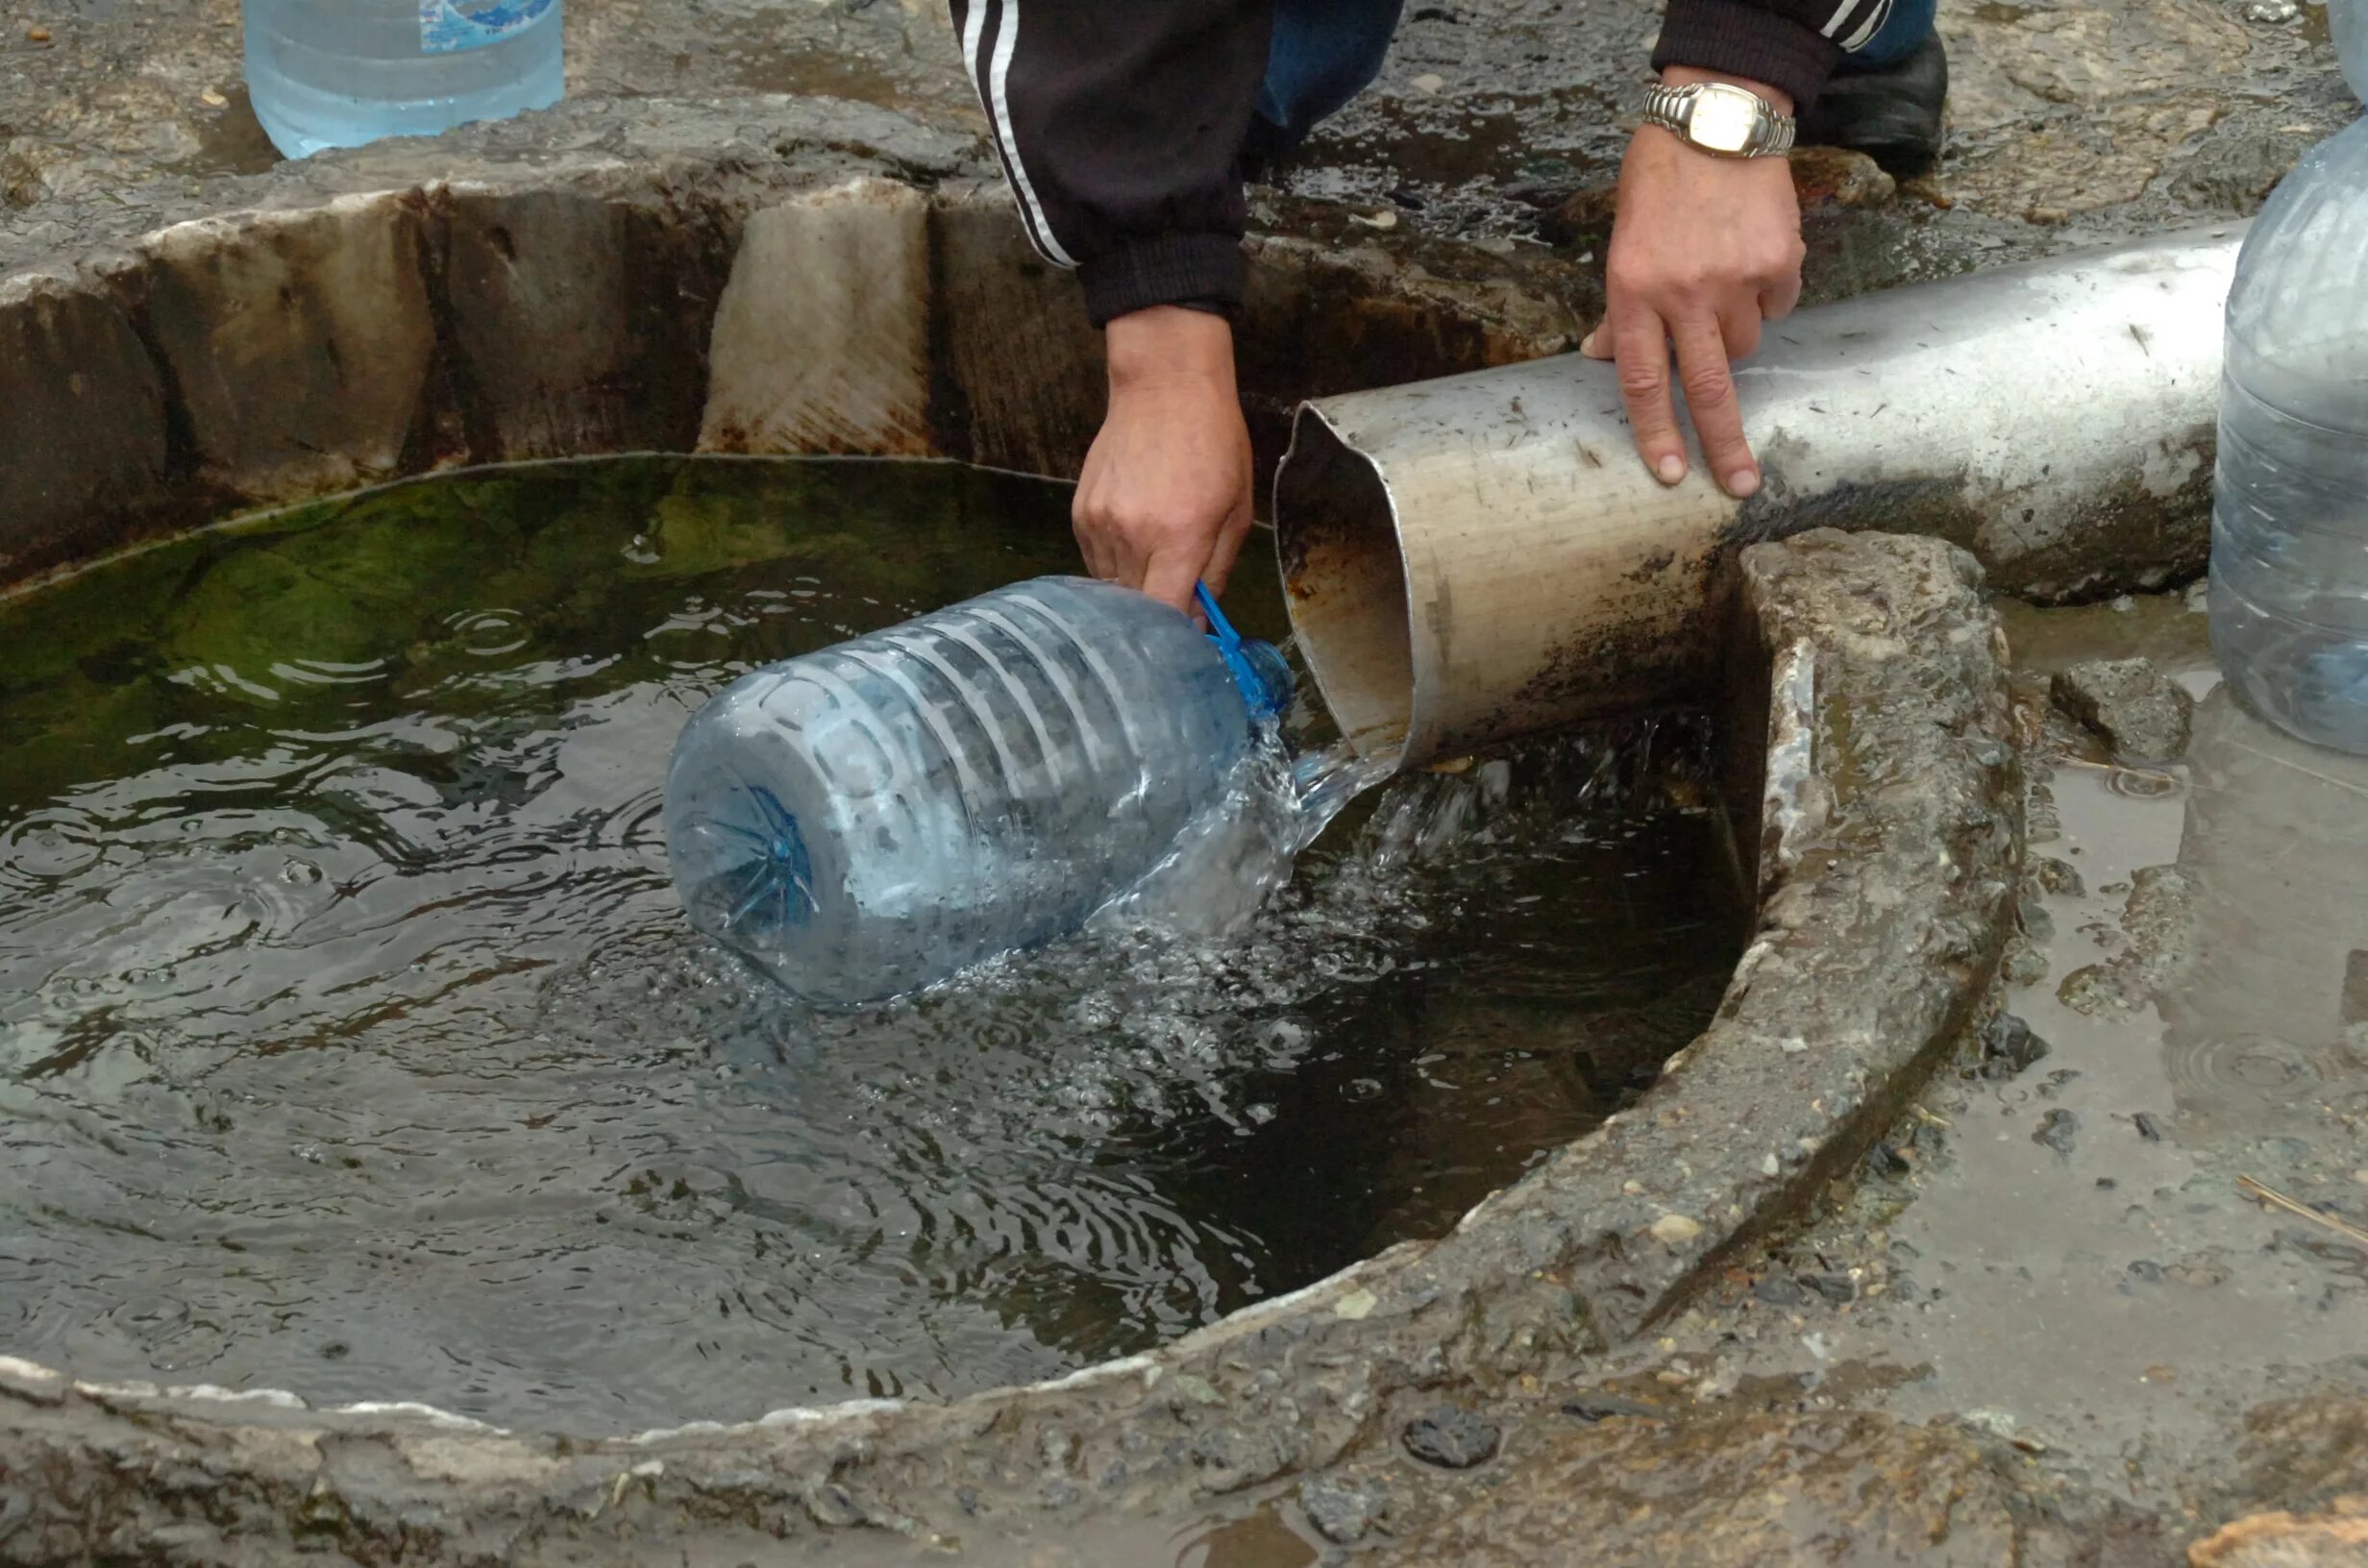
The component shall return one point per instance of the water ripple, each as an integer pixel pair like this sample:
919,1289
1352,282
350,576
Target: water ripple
352,1040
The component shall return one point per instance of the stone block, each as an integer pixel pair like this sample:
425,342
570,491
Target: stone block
299,342
82,443
1021,381
2136,709
578,324
821,338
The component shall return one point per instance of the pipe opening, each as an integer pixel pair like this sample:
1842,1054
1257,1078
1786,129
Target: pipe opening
1344,582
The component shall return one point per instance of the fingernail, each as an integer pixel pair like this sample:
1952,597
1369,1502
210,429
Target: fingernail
1672,469
1586,345
1742,484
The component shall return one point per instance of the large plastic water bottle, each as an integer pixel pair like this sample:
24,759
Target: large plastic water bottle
871,818
2289,560
337,73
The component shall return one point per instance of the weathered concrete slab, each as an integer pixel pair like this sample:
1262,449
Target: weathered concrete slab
494,296
84,433
297,345
821,338
1021,380
577,322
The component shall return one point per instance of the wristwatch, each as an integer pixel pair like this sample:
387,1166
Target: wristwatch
1720,119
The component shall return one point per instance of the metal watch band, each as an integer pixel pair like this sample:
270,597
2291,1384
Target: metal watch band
1672,108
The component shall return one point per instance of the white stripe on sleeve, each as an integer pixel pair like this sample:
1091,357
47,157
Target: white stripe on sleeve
999,106
1874,24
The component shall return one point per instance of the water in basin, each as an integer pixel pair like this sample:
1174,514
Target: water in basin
351,1041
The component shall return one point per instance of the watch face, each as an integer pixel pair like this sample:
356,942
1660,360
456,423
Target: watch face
1723,120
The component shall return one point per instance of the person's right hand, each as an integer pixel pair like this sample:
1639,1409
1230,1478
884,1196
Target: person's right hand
1164,499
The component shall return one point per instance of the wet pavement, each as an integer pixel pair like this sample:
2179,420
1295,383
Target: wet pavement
2104,1288
2138,1209
2088,1300
2068,123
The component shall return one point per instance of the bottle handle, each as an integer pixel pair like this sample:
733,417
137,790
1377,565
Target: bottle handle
1221,628
1258,671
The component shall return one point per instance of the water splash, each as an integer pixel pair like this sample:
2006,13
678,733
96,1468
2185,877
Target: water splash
1229,860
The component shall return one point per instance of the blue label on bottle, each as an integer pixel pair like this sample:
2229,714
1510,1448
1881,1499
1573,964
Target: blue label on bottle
448,26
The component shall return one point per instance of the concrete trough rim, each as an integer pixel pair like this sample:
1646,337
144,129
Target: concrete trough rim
1581,1253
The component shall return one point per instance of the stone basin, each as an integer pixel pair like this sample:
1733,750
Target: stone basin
798,276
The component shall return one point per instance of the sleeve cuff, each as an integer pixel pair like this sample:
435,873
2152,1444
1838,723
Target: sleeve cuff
1737,37
1203,271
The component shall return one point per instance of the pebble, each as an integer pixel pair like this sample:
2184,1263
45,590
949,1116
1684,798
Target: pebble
2003,1425
2058,1130
2026,962
2200,1270
2057,876
2288,1540
1778,1291
2136,709
2009,1047
1452,1438
833,1506
1429,83
1675,1230
1838,1289
1342,1515
1592,1407
2149,1126
2361,1176
36,34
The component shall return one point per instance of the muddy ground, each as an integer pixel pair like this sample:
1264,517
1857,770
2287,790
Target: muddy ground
2047,1323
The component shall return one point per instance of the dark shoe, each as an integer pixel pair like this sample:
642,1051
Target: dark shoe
1892,114
1263,146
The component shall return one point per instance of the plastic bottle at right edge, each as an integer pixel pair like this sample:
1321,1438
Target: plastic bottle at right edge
2289,549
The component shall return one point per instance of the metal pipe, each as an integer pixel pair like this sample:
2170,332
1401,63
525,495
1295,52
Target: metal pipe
1481,558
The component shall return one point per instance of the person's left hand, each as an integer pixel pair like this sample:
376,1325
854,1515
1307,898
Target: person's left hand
1703,250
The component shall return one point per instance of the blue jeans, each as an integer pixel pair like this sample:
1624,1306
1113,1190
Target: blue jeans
1325,52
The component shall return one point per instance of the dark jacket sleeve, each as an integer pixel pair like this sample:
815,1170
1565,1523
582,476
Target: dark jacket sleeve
1792,44
1120,124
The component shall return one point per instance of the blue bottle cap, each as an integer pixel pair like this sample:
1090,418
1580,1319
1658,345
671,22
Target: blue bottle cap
1260,672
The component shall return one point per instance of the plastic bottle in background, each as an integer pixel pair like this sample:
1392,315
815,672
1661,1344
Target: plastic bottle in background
867,820
2348,20
338,73
2290,558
